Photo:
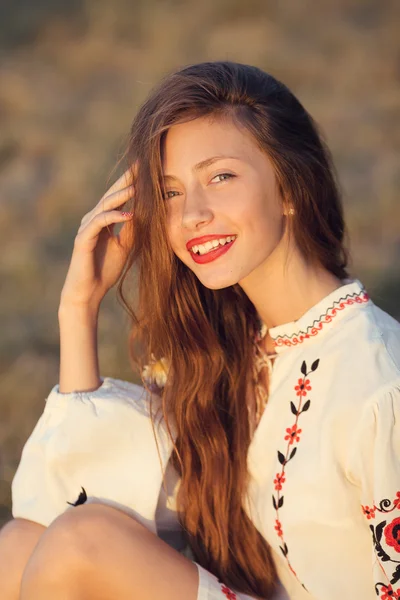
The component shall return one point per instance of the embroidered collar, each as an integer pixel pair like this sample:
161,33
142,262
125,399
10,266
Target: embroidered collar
318,318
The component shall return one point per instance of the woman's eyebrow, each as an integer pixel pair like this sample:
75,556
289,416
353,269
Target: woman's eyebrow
203,164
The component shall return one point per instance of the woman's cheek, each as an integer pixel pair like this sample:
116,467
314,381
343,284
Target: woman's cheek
174,238
173,217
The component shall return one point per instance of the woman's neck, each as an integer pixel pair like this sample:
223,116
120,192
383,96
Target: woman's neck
282,293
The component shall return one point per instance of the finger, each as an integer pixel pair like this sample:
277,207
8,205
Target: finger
115,199
91,230
123,181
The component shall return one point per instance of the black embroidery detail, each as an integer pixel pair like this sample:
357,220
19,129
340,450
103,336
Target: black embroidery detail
81,498
293,436
388,533
387,592
315,327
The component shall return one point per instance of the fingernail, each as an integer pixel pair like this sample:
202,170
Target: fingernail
127,214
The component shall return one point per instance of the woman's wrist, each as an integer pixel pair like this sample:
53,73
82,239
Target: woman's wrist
79,367
69,310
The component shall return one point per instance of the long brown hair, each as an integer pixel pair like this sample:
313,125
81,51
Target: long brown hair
207,336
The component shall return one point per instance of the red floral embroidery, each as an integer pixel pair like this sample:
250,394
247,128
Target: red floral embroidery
313,330
279,481
293,434
388,593
369,512
392,534
228,593
278,528
303,387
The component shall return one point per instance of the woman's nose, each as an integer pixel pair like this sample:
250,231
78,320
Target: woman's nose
196,211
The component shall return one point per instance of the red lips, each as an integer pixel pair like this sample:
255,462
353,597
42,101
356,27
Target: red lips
206,238
202,259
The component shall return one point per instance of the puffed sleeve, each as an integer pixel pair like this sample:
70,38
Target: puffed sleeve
375,468
92,445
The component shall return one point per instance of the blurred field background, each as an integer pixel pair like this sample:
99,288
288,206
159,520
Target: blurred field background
72,75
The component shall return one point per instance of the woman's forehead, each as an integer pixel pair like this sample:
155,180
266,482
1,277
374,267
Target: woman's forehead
203,139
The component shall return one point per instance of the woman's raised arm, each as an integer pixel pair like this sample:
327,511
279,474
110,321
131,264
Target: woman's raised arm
97,261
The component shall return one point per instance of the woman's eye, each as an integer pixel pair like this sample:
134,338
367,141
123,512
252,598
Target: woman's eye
229,175
166,197
225,175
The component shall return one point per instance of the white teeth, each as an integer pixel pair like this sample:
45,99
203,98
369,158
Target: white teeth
208,246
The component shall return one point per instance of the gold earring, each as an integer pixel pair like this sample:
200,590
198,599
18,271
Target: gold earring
291,211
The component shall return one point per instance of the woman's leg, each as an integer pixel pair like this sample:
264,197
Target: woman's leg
18,538
94,551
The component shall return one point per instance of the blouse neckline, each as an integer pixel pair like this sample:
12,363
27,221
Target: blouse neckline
319,318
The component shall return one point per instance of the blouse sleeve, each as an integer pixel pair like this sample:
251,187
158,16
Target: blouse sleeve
375,460
92,445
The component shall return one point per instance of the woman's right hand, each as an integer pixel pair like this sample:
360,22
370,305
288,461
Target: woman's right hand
99,255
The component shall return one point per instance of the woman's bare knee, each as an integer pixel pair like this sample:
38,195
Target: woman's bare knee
96,551
61,559
18,539
67,555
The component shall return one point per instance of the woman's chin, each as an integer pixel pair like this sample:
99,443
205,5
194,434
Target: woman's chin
217,283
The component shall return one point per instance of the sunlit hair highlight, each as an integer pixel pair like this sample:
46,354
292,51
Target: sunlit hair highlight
207,336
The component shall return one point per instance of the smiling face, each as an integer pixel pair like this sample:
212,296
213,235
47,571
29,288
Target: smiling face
236,195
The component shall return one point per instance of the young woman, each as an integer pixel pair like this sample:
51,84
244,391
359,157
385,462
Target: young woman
260,458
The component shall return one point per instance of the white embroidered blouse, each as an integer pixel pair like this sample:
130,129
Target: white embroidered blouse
324,459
